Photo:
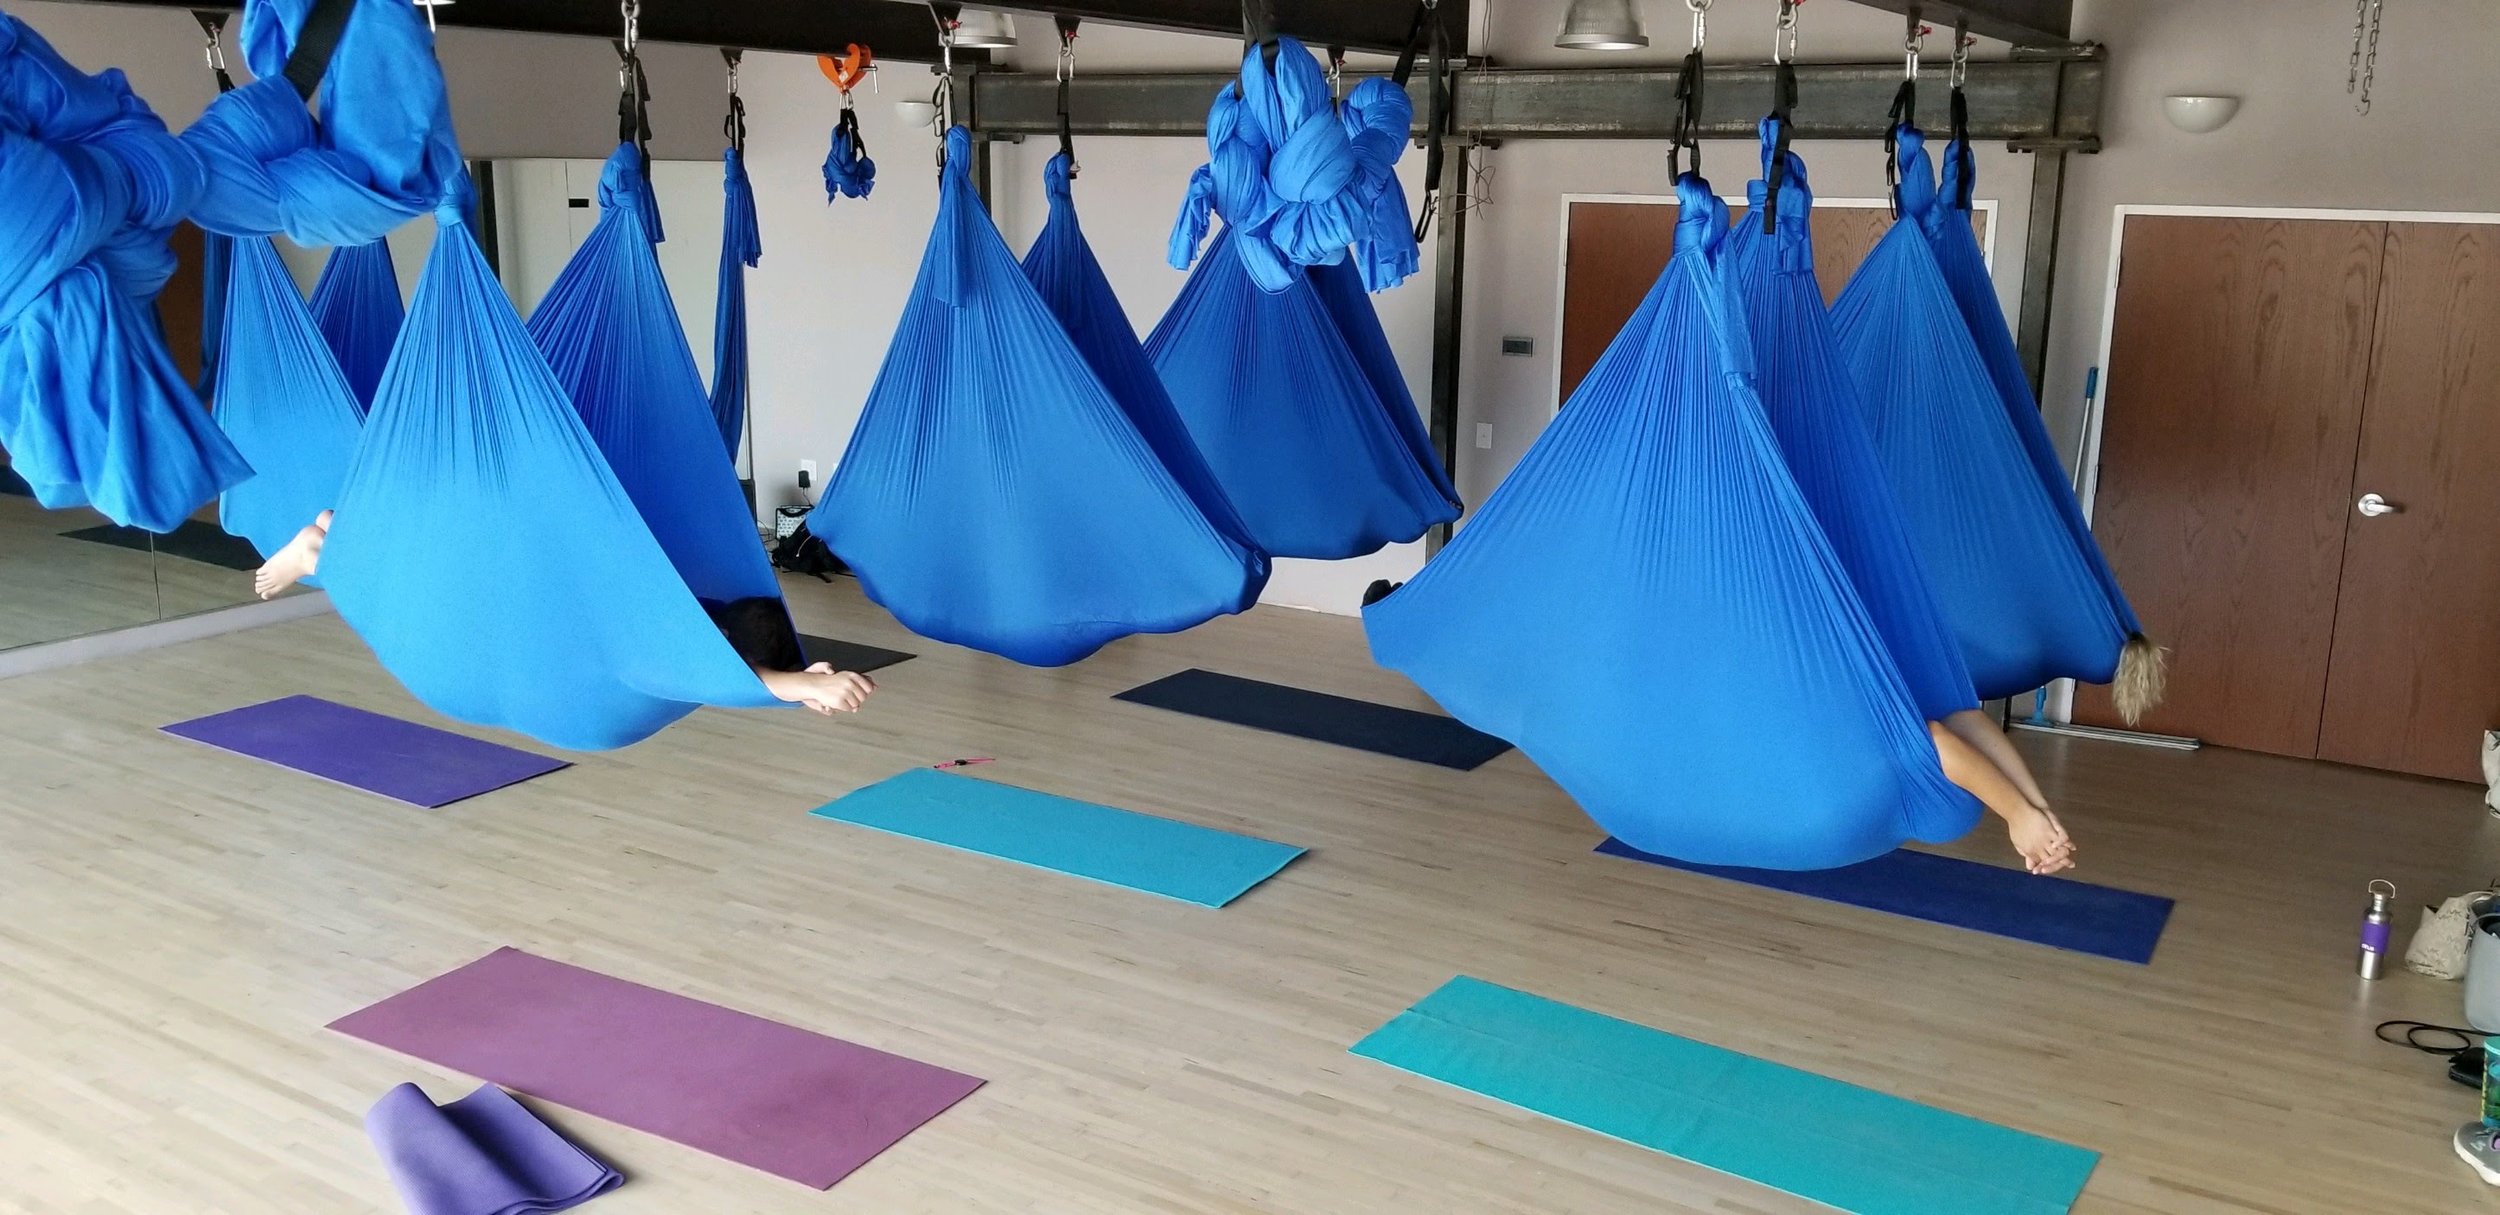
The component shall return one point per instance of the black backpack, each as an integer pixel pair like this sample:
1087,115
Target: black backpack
801,552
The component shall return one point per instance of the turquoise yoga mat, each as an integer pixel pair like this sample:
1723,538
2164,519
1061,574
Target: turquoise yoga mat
1848,1147
1123,848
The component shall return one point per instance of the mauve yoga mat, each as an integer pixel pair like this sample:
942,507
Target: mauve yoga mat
400,759
1427,738
2121,925
480,1155
770,1096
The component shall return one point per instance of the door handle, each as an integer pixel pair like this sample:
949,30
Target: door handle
2372,506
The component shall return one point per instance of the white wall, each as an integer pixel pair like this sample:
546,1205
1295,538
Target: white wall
2428,144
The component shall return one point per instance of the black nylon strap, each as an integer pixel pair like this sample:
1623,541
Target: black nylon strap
1067,42
733,127
316,43
633,104
1904,114
1687,117
1783,101
1960,151
213,24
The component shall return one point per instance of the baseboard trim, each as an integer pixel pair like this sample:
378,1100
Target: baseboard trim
53,655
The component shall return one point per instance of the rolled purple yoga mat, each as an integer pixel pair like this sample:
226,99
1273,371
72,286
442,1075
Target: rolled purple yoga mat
481,1155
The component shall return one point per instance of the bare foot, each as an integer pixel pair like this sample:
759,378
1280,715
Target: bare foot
821,688
2041,840
300,559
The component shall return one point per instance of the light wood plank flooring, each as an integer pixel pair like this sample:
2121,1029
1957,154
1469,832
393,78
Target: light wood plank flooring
177,924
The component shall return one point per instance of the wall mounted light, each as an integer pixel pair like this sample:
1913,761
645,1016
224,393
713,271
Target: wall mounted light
916,114
1602,25
2199,113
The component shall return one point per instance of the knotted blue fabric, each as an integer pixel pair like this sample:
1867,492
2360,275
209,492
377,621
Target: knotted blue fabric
1812,403
849,173
356,303
2003,541
382,154
284,400
995,493
741,246
1298,405
1297,182
93,411
1682,651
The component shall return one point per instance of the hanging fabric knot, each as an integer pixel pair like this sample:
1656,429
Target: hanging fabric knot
1285,169
1914,185
1377,116
1701,218
92,409
1058,177
381,154
1784,171
625,181
849,173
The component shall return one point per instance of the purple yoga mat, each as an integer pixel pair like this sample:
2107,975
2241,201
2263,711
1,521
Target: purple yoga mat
793,1103
399,759
480,1155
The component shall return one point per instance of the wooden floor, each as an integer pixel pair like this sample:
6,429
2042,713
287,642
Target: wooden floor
176,925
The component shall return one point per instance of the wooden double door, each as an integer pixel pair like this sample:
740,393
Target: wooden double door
2300,482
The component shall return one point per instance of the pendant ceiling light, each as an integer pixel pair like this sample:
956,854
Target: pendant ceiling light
1602,25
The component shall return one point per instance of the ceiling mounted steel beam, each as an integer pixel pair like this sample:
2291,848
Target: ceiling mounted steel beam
2030,103
1362,25
2021,22
902,32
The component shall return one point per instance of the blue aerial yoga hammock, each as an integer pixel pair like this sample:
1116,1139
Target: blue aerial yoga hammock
284,401
1065,273
2016,572
92,410
1811,402
995,494
1272,351
216,258
356,304
474,465
740,247
1681,649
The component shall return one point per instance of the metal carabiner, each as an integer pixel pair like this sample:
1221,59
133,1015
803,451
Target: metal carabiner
1701,21
1784,33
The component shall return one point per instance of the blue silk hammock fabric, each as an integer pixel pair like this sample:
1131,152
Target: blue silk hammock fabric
2020,580
356,304
216,256
741,246
995,493
93,411
1812,402
1272,352
474,465
283,399
1682,650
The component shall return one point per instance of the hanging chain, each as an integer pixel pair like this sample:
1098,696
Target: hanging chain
632,10
2361,71
944,95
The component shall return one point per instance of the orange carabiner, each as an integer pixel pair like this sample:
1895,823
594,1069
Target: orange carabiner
847,70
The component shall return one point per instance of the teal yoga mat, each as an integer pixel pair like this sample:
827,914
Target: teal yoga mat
1120,847
1848,1147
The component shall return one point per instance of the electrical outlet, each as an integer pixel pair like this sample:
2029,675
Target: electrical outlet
1484,436
807,472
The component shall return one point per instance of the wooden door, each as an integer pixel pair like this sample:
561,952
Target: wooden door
1613,253
2238,365
2415,676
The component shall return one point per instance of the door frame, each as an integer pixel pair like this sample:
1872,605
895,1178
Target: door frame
1562,255
2087,475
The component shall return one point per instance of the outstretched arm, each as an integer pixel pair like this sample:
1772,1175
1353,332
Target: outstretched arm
2036,833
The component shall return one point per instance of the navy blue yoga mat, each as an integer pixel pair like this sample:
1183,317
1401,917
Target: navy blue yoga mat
2068,914
1427,738
849,655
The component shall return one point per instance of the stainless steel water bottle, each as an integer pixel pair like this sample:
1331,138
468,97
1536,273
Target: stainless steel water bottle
2374,928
